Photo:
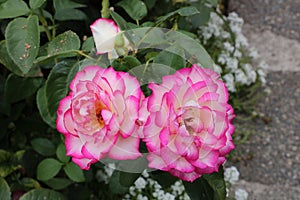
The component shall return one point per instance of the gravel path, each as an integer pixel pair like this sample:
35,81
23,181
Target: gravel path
275,145
269,162
280,16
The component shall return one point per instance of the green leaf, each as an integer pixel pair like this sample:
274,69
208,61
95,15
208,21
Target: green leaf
150,3
69,14
115,185
7,61
217,183
194,51
61,153
43,146
185,11
123,25
58,183
65,10
176,61
199,190
18,88
136,9
165,179
74,172
125,63
88,44
47,169
209,186
4,155
34,4
64,45
213,2
64,42
23,41
202,18
42,104
66,4
30,183
128,179
13,8
4,190
8,163
56,86
39,194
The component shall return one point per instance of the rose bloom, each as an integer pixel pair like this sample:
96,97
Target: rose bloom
98,117
188,131
106,36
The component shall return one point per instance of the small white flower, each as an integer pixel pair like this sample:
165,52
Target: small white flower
253,53
145,174
229,80
237,53
251,74
262,76
140,183
241,194
177,188
232,64
109,169
241,77
227,192
241,41
231,175
263,65
169,196
101,176
222,58
141,197
132,191
126,197
217,69
228,47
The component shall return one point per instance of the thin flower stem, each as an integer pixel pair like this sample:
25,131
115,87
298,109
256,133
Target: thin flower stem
85,55
45,24
54,29
105,9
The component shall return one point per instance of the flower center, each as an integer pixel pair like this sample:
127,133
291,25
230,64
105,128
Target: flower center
99,106
191,120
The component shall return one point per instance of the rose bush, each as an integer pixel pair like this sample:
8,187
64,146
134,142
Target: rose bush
50,77
98,116
188,131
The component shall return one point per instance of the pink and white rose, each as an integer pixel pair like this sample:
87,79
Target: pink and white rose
98,117
189,129
107,36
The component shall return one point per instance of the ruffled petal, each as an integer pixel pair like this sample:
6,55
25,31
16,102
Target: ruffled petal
125,149
104,33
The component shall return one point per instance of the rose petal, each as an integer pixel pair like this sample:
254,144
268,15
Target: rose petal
125,149
104,32
64,106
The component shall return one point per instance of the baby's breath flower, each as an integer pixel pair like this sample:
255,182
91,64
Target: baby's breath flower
140,183
231,175
229,80
253,53
241,77
241,194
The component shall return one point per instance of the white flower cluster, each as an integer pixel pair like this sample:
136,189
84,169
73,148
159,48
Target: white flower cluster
104,175
231,176
233,52
146,188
